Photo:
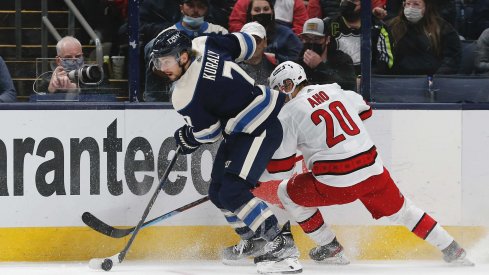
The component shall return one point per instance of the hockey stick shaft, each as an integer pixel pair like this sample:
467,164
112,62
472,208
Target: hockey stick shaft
151,202
101,227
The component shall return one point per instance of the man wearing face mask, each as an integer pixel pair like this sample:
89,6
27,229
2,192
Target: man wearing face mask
193,24
324,66
69,57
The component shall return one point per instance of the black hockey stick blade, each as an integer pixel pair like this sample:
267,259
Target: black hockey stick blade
101,227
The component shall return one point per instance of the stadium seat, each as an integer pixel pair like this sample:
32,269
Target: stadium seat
460,88
400,89
467,66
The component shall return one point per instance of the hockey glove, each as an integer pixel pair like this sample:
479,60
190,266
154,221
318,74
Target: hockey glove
185,138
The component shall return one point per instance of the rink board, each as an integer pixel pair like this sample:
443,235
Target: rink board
206,242
57,164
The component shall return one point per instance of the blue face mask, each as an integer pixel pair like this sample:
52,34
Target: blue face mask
70,64
193,22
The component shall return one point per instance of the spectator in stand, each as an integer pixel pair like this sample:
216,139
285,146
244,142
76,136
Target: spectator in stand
423,43
477,17
122,6
345,31
105,17
324,66
156,16
291,13
69,57
378,9
193,25
283,44
323,8
7,89
260,65
219,12
482,53
331,8
446,9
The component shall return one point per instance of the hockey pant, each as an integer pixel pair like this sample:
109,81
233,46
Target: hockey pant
302,195
240,161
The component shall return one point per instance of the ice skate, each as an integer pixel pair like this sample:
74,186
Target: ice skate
280,255
456,255
332,253
241,253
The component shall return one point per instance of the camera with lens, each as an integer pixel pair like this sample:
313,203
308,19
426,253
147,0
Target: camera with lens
87,74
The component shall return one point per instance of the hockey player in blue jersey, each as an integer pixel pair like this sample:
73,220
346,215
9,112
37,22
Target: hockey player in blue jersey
219,101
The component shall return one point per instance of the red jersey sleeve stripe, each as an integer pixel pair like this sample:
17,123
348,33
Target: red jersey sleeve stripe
281,165
366,114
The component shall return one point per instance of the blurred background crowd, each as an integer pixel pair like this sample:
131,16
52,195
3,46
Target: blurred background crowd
422,39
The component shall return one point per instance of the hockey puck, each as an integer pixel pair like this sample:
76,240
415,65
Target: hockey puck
107,264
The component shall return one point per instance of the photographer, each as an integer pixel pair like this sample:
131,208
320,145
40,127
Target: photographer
69,57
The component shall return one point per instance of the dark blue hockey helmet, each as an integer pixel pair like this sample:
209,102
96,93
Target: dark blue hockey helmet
171,42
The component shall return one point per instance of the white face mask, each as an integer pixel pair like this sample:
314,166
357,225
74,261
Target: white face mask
413,15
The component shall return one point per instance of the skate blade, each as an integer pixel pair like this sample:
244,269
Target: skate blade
239,262
334,261
338,259
462,262
285,266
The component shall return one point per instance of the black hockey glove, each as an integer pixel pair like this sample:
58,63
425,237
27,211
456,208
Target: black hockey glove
185,138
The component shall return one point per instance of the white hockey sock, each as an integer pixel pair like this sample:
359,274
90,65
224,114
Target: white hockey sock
422,225
309,218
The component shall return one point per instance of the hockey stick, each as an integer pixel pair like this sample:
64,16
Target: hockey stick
101,227
107,263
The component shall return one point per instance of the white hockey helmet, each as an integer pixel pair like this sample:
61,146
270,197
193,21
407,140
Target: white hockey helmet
284,71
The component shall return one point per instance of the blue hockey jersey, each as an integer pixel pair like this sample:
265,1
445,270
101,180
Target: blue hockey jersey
215,95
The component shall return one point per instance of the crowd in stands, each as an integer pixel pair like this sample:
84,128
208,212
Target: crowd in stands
409,37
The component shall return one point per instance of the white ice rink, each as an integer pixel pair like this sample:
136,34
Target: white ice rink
216,268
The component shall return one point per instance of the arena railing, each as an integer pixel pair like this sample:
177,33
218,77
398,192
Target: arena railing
83,22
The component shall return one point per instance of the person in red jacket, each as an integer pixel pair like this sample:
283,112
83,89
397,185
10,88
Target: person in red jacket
331,8
288,12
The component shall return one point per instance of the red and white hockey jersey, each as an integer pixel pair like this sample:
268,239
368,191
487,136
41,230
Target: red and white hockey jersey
324,123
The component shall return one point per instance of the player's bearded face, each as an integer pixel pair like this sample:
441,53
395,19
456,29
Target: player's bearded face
169,66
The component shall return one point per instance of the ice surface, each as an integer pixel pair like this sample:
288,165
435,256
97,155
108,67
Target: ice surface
216,268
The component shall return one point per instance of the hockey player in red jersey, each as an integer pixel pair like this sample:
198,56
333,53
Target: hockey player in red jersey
324,122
